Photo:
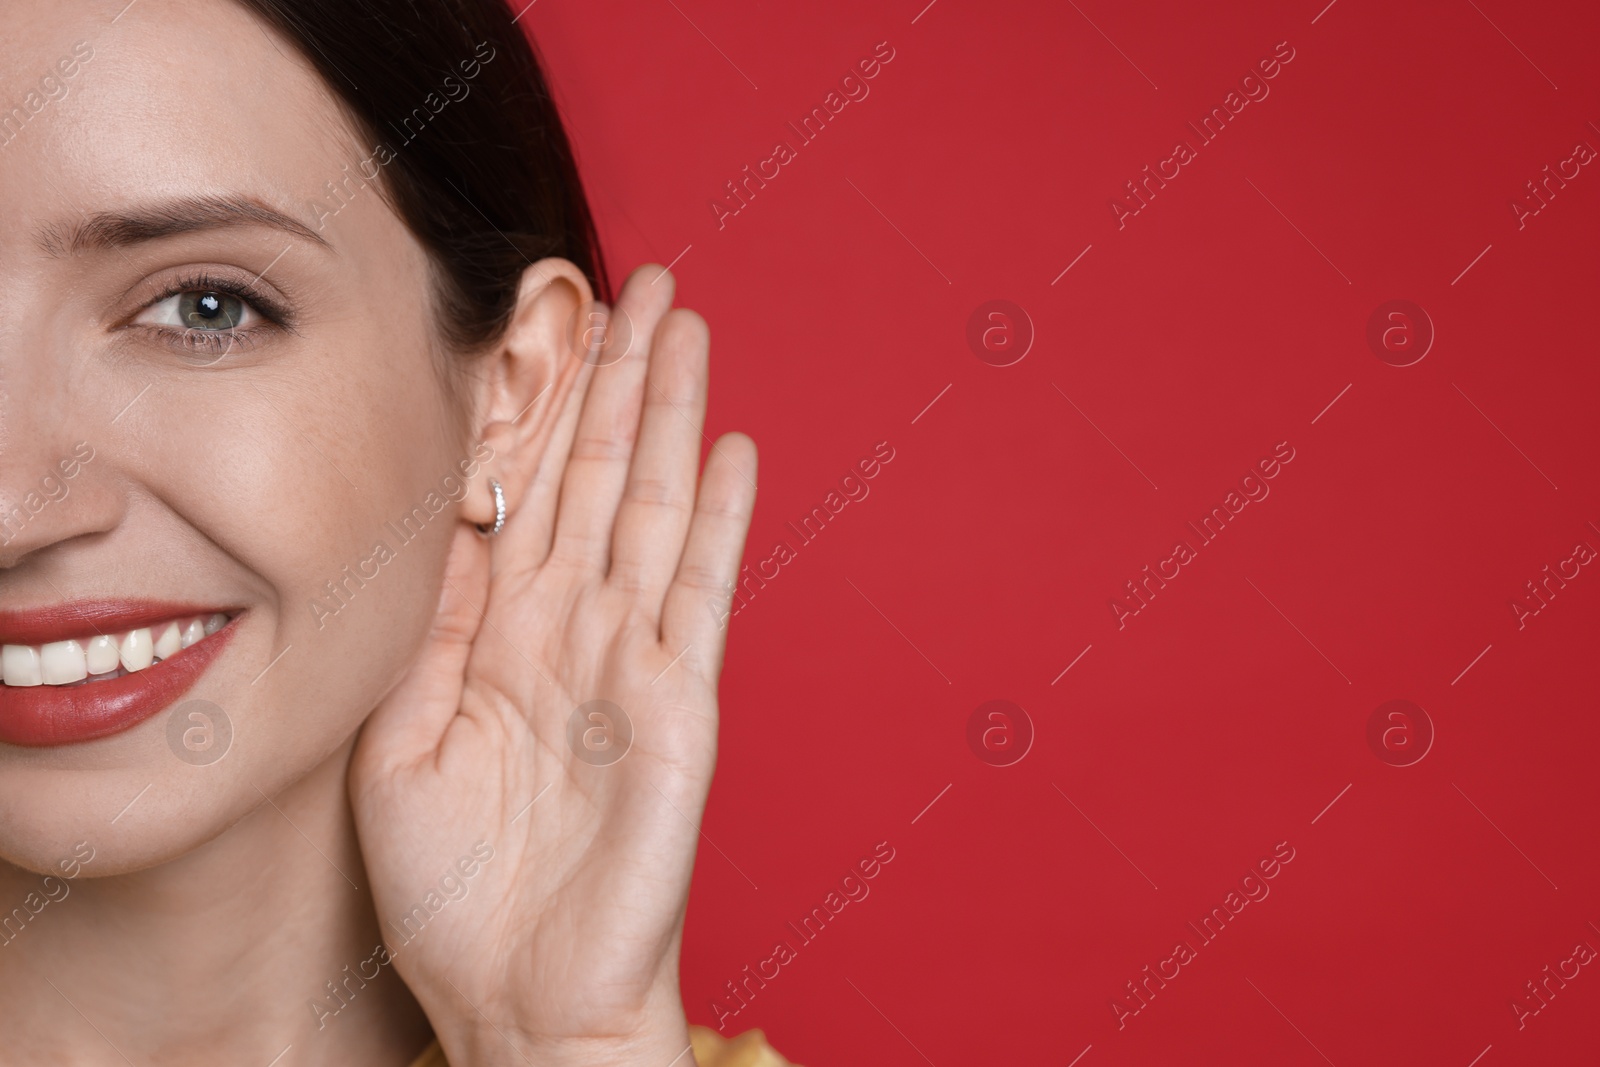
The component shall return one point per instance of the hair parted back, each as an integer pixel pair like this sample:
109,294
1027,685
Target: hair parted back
469,146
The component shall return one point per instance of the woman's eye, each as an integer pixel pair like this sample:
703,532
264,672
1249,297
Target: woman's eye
202,309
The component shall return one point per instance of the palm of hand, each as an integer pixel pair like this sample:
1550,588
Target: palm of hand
597,590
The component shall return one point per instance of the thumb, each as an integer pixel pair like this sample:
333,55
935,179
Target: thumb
411,720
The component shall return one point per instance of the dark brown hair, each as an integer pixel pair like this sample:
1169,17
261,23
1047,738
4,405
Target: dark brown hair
472,153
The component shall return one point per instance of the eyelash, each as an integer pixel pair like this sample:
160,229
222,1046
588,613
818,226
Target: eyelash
277,316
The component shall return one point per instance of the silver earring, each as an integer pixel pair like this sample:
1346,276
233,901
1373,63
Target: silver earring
499,511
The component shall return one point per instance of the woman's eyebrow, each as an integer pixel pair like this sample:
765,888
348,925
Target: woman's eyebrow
166,218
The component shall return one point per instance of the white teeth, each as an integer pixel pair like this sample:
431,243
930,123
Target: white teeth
101,655
61,663
169,639
21,665
135,650
194,631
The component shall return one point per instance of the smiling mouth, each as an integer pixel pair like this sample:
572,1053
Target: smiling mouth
76,672
103,657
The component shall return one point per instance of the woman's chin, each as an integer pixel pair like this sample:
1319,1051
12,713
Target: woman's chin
127,819
132,798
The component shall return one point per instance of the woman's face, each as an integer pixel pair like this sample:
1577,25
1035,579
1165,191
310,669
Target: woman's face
171,452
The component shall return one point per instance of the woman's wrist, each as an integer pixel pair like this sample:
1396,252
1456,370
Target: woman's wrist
657,1036
487,1048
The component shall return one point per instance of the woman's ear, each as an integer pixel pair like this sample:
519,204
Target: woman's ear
525,381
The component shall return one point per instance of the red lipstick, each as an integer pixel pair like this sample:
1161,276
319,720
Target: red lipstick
39,716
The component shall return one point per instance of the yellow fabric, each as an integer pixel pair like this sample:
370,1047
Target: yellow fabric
749,1049
711,1049
433,1056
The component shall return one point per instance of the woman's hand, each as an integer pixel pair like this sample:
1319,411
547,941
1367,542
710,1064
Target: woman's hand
603,586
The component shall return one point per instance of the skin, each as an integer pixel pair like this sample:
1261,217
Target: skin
375,747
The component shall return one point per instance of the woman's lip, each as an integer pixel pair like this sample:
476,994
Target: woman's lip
85,618
41,716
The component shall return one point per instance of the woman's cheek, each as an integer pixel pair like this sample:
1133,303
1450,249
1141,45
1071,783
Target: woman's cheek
362,600
378,588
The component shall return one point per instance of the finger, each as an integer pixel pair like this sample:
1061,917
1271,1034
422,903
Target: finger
659,498
598,467
410,721
530,528
698,603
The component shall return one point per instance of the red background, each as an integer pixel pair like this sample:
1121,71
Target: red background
1221,320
